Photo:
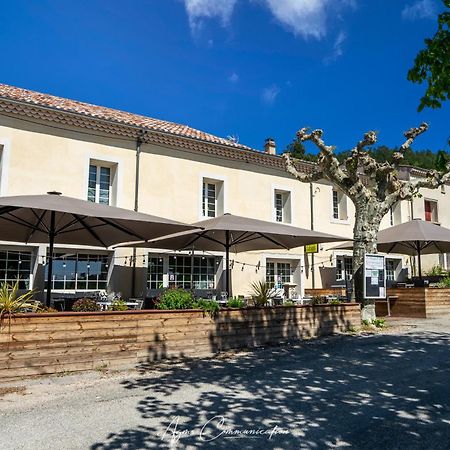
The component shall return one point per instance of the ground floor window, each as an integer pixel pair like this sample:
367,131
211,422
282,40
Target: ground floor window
181,269
202,272
278,273
15,266
390,270
155,272
79,271
344,268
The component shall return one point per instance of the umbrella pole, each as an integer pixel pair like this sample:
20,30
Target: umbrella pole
192,268
419,262
227,263
51,235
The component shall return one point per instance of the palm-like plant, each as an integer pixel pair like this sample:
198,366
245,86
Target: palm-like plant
12,303
262,292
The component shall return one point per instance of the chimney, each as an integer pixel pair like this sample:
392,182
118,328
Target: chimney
270,147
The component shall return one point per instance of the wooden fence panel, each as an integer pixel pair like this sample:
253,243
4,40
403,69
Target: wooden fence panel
40,344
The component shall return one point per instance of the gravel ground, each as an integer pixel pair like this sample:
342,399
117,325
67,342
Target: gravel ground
388,390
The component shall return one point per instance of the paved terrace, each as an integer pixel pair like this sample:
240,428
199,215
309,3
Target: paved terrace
389,390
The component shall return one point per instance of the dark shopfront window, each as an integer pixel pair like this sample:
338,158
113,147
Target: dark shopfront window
78,271
15,266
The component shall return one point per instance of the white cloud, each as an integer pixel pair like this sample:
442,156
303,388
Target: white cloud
233,78
421,9
198,10
302,17
306,18
270,94
337,48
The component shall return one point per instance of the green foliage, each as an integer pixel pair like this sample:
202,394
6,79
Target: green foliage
297,150
174,298
442,161
432,65
118,305
12,303
334,302
436,271
235,302
444,283
365,322
317,300
288,303
209,306
261,293
425,159
86,305
379,323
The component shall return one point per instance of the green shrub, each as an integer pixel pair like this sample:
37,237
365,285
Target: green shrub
261,293
209,306
379,323
235,302
366,322
334,302
444,283
118,305
317,300
436,271
175,299
288,303
86,305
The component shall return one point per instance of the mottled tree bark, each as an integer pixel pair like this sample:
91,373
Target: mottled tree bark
373,188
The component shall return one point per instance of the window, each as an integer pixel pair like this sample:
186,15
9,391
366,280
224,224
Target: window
15,266
155,272
335,205
278,273
209,200
344,268
390,270
78,271
282,203
212,198
100,184
431,211
203,272
339,205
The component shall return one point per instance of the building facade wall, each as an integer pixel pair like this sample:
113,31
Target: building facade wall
41,157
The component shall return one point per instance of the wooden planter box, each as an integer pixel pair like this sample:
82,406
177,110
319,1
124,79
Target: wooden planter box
416,302
49,343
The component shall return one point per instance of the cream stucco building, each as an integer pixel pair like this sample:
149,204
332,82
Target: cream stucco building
89,152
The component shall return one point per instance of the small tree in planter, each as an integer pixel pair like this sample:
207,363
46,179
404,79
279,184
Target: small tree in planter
373,188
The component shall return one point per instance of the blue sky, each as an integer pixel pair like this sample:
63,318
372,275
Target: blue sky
246,68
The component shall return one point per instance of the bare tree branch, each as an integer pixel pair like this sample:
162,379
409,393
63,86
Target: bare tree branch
303,177
326,160
410,135
433,180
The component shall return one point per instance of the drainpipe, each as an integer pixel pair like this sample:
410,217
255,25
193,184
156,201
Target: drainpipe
139,141
311,202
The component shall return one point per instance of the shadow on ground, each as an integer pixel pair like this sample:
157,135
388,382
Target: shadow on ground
363,392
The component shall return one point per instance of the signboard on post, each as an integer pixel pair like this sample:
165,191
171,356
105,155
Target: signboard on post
312,248
374,276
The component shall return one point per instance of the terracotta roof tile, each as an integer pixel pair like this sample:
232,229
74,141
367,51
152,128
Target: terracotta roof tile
21,102
101,112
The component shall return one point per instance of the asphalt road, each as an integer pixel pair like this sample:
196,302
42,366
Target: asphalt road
384,391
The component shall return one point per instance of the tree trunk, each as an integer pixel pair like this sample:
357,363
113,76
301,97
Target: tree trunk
367,224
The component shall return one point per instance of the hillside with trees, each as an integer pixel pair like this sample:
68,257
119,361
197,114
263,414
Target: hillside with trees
425,159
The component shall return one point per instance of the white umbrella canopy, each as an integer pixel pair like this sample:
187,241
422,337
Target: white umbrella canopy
65,220
239,234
